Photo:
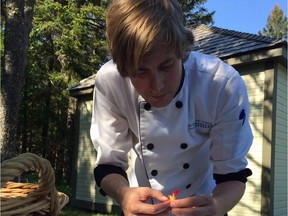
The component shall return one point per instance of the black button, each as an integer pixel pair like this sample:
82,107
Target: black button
186,166
154,172
179,104
147,106
150,146
184,145
188,186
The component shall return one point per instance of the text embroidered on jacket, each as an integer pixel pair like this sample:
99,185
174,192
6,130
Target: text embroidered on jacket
200,124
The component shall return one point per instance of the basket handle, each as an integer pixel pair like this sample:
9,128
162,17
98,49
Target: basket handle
14,167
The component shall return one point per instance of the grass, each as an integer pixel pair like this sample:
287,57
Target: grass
70,211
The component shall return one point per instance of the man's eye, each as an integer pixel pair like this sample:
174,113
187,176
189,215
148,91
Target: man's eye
141,73
166,66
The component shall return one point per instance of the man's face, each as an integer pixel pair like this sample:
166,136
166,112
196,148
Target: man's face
159,77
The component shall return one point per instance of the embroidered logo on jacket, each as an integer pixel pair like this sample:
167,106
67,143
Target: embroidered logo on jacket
200,124
242,116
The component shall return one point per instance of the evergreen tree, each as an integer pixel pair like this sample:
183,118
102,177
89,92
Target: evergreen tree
276,25
195,14
67,44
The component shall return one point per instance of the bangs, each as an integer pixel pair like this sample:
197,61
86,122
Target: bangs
169,34
140,27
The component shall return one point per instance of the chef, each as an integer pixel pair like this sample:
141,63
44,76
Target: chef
176,119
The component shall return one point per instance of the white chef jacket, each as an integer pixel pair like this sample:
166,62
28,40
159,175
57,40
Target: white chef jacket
204,129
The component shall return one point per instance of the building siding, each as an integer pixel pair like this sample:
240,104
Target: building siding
86,189
280,148
250,204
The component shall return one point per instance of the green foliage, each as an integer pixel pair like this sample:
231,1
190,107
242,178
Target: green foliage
29,176
276,25
195,14
67,44
73,38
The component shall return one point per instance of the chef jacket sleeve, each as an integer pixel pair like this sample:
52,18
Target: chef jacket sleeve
109,131
231,135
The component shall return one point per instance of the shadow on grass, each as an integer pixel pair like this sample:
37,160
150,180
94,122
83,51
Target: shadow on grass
70,211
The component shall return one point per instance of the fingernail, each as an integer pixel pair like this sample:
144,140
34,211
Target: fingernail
164,197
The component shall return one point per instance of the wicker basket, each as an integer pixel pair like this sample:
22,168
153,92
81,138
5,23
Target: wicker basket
25,198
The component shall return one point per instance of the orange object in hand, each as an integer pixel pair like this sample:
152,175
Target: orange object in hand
173,196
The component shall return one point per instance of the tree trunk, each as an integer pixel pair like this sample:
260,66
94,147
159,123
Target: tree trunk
18,22
46,148
24,126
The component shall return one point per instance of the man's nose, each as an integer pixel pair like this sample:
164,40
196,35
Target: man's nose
157,83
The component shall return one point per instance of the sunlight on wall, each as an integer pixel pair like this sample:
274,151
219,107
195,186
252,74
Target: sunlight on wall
250,204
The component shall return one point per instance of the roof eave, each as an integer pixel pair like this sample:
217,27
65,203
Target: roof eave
277,51
81,91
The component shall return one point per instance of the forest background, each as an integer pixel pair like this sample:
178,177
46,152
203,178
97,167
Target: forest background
46,47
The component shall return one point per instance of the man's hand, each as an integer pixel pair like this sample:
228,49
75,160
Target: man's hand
133,201
194,206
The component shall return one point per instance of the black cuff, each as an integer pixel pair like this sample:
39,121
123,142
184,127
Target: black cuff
103,170
238,176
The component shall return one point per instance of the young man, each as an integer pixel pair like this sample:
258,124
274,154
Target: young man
181,116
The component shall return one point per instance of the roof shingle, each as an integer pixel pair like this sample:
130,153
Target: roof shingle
223,42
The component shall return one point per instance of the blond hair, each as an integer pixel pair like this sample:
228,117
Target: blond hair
136,28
